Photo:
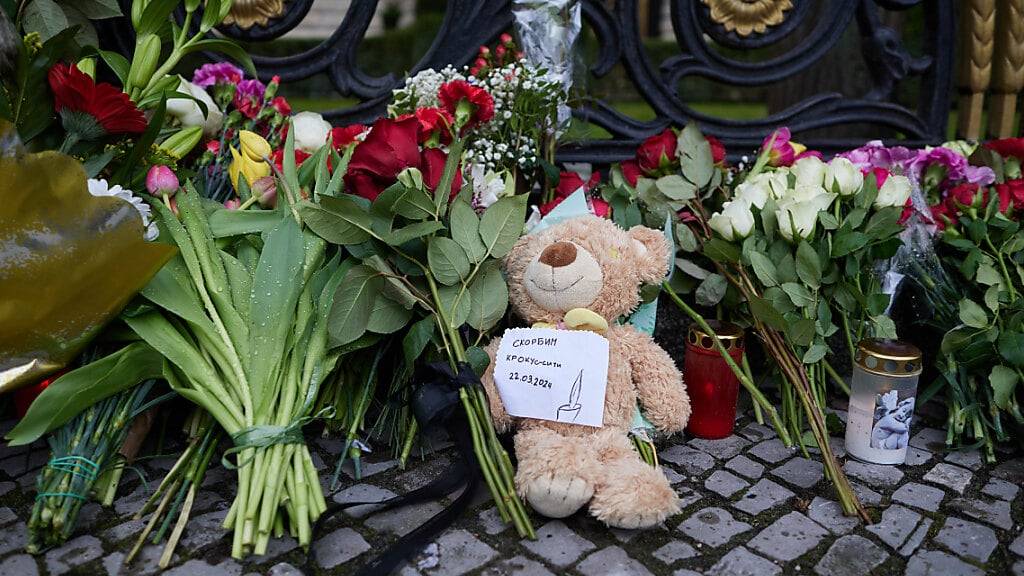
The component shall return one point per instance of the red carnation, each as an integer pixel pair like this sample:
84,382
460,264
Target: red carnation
717,150
277,157
964,194
281,105
657,153
390,147
1007,147
432,165
91,110
343,136
481,104
435,121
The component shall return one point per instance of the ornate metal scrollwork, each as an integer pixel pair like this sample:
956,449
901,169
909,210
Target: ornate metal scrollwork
247,13
716,40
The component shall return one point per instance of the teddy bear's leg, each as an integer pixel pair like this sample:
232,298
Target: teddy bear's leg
555,472
630,493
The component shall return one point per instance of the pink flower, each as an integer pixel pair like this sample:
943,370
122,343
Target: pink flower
874,154
218,73
161,181
249,97
213,146
232,204
281,105
599,207
941,166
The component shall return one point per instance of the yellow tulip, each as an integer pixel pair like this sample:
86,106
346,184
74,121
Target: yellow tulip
243,164
253,145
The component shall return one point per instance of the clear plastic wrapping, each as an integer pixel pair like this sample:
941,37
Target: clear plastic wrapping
548,30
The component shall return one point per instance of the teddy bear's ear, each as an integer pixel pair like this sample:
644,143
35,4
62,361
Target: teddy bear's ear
651,250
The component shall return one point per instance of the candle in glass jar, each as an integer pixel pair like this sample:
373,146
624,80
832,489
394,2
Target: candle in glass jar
882,398
712,386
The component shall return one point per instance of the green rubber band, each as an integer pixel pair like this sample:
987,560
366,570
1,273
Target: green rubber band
76,465
266,435
60,495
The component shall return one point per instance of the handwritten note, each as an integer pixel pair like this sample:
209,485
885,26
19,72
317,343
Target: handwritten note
557,375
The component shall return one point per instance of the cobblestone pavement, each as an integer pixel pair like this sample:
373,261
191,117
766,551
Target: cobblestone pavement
751,507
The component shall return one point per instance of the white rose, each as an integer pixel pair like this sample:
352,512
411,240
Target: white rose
894,192
310,130
753,193
815,195
843,177
809,171
797,218
188,112
776,182
735,221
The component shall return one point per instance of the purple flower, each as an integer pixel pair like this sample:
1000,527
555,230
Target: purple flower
948,167
874,154
219,73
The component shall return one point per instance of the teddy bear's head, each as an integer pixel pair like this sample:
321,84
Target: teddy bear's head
585,262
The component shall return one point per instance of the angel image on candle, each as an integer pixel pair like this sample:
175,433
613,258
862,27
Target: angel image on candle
892,422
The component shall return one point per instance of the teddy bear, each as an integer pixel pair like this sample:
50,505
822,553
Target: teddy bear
585,273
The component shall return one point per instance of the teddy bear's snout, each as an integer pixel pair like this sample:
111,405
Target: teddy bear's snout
559,254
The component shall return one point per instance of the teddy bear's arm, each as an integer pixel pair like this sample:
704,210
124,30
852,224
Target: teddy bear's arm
659,384
501,418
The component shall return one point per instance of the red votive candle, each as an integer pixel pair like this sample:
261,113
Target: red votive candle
711,384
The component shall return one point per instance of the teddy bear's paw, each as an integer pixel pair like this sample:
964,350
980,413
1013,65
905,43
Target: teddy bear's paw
557,496
637,505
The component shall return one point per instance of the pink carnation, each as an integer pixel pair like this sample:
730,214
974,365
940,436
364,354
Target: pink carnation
218,73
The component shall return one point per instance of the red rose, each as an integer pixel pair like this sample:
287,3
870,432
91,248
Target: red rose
1007,147
435,121
962,195
717,150
432,165
657,153
342,137
481,103
549,206
569,182
942,216
631,172
1005,198
281,105
277,157
89,107
390,147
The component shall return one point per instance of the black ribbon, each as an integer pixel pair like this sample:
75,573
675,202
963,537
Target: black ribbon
436,405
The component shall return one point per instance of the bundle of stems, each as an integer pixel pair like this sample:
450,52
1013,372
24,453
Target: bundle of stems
176,494
243,330
81,450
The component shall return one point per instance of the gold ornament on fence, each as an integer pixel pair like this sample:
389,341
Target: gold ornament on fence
747,16
247,13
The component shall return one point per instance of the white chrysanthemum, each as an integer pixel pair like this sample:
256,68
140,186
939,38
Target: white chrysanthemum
101,188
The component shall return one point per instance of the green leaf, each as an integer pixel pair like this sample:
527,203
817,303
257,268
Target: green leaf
502,224
413,231
85,34
695,157
82,387
883,327
353,303
764,311
801,332
338,220
848,242
478,360
828,221
488,296
764,269
1011,348
409,203
815,353
685,238
956,339
711,290
1003,381
884,223
855,218
988,275
808,265
992,298
447,260
877,303
226,47
465,225
155,15
225,223
417,338
456,303
972,314
45,17
692,269
676,188
98,9
785,270
798,294
387,316
721,251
